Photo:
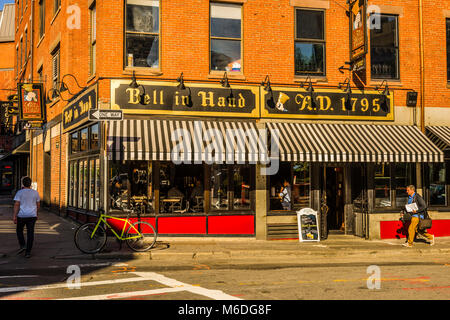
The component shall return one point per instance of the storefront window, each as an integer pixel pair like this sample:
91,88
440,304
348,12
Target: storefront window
405,174
129,186
94,137
382,186
91,183
74,142
181,188
290,188
241,183
80,183
436,179
84,140
97,184
75,184
85,185
219,187
71,182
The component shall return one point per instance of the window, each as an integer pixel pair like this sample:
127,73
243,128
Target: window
40,74
97,184
382,186
290,188
404,174
384,48
56,6
93,38
142,33
310,42
230,187
55,67
436,183
71,184
448,49
75,184
92,175
41,18
94,137
21,53
80,183
84,139
74,142
17,61
226,34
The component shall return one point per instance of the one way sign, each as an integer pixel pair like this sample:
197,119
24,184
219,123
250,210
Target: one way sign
105,115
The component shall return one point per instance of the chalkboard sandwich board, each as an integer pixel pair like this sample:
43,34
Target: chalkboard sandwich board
308,226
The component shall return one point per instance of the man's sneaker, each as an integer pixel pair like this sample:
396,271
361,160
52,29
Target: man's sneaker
407,245
421,236
22,249
27,255
432,241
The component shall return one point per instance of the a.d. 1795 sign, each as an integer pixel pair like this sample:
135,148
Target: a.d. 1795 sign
196,99
296,103
31,101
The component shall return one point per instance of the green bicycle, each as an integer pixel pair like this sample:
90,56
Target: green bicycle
91,237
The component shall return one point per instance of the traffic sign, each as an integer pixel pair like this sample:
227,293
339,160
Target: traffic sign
105,115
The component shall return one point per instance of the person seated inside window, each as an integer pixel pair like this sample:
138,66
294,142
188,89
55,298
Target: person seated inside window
174,192
197,191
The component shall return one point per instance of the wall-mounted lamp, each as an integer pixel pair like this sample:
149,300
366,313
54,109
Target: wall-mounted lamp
310,89
384,98
224,81
346,87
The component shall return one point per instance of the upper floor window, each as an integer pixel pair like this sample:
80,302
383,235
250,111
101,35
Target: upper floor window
448,49
142,33
55,67
56,5
41,18
384,48
310,42
226,37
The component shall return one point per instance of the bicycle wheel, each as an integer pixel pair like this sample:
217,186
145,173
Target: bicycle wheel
147,239
87,244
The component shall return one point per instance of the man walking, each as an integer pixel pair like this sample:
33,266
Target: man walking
418,214
26,207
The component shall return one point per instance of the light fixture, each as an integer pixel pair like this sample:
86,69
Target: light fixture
180,80
348,90
267,87
384,98
133,83
224,82
310,89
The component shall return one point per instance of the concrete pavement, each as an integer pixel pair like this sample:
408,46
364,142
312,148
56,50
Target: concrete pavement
54,241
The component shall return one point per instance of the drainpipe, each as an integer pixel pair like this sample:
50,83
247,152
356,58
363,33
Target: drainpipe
422,68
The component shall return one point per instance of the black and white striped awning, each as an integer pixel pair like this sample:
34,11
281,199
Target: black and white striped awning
440,135
353,143
184,141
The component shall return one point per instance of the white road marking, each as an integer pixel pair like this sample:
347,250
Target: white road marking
122,295
55,226
6,277
64,285
213,294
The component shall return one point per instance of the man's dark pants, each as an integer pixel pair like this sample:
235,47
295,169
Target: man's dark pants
21,223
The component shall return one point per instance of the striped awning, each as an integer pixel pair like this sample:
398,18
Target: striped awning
353,143
184,141
440,135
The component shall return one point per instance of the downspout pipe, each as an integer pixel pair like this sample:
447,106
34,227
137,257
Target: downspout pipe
422,68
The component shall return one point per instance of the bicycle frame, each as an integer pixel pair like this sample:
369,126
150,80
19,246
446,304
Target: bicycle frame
103,218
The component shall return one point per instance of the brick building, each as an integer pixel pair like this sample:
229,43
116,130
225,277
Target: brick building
202,63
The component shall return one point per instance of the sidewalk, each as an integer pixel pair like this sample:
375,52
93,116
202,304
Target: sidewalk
54,240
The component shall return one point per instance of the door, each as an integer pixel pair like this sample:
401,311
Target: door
335,198
47,178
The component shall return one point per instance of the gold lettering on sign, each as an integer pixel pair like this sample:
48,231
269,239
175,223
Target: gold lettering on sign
221,102
241,101
68,115
207,101
133,95
304,101
322,99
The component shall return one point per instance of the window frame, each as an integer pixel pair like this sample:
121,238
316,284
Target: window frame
313,41
56,66
425,170
125,32
241,39
41,28
396,47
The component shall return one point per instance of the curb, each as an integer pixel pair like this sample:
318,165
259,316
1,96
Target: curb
242,254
